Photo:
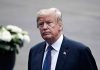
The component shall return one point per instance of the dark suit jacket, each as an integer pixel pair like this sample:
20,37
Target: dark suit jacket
72,56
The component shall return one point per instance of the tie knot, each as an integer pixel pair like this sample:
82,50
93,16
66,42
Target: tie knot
49,48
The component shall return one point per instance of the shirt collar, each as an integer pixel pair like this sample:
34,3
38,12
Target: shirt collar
57,44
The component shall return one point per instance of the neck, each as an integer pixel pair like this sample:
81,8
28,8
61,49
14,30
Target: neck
51,41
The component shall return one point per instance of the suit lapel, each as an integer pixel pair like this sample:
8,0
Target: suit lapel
64,51
39,57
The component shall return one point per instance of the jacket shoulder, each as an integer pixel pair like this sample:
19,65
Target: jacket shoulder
37,46
73,44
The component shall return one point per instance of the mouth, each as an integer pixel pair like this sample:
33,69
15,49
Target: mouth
46,33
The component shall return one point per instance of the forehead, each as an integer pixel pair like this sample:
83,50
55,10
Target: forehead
46,17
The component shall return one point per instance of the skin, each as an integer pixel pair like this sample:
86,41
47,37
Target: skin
50,27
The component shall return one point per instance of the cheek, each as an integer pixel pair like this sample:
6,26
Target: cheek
41,32
55,31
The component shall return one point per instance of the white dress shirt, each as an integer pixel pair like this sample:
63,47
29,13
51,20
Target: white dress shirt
54,53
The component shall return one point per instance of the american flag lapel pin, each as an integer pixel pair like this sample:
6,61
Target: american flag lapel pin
64,53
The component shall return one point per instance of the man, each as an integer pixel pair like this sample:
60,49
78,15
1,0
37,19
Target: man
65,54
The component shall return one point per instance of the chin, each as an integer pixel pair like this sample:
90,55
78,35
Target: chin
47,37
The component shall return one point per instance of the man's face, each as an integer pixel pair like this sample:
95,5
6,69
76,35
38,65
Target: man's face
49,27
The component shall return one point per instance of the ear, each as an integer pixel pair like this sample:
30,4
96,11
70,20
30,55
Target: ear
60,25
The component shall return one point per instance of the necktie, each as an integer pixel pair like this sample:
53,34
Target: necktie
47,61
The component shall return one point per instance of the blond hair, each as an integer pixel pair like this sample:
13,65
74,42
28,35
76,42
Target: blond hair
48,11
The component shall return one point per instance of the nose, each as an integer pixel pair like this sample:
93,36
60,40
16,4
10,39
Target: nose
45,26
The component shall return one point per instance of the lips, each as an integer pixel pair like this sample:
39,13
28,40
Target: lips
46,33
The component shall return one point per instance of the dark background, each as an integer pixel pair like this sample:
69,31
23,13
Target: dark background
81,20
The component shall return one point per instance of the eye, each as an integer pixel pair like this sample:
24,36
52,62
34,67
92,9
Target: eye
40,24
49,23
